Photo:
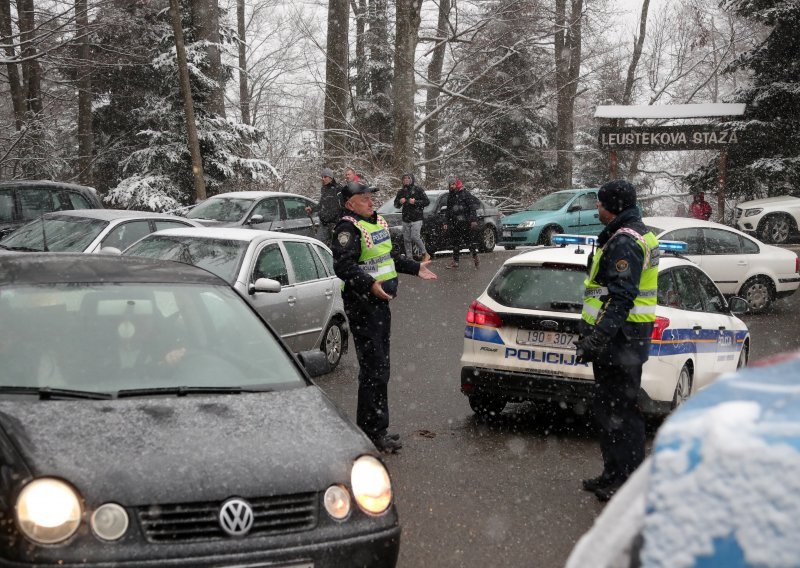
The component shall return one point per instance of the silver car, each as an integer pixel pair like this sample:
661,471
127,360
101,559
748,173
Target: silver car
304,304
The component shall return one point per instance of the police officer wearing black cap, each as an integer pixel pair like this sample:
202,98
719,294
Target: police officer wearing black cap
617,322
364,260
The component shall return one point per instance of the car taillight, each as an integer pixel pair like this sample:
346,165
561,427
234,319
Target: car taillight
659,327
478,314
797,264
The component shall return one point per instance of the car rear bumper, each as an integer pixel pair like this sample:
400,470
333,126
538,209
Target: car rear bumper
531,386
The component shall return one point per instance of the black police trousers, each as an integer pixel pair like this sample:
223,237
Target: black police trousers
462,235
616,410
370,325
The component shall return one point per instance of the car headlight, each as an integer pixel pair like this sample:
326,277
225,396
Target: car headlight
371,485
527,224
48,510
337,502
751,212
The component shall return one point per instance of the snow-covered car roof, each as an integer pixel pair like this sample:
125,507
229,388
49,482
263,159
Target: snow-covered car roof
254,194
232,234
569,255
113,214
670,223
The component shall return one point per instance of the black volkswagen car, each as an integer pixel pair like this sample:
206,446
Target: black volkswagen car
149,417
435,237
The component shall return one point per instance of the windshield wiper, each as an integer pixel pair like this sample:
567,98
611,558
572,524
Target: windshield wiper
565,304
22,249
47,393
183,391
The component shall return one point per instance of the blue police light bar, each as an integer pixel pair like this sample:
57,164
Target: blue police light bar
673,246
573,240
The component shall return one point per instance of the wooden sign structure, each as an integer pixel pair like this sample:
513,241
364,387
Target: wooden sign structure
668,138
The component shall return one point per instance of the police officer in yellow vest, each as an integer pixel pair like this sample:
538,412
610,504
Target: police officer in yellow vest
617,322
363,259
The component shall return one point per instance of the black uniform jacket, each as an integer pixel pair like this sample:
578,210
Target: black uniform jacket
620,271
330,203
462,207
346,247
411,212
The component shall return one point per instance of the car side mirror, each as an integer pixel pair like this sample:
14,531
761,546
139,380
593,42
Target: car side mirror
110,250
315,362
255,220
265,285
738,305
573,208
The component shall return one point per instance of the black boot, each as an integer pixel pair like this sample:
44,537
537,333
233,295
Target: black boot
388,443
605,493
594,483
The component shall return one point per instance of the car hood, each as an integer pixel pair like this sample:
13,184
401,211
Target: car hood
783,201
197,448
520,216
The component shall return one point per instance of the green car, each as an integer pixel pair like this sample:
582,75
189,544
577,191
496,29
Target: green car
571,211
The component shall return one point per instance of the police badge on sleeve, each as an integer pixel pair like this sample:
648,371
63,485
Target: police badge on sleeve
343,238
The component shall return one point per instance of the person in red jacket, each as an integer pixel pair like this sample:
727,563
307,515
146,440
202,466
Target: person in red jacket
700,208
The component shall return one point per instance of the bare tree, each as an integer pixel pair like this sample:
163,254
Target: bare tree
244,92
85,134
433,170
408,20
336,80
567,65
17,96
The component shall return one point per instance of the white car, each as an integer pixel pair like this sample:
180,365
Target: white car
739,264
302,297
773,219
520,334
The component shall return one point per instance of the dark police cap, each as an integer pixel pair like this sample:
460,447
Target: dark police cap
354,188
617,196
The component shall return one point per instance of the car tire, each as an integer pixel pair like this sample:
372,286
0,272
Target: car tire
683,388
776,229
759,293
546,237
744,357
488,239
486,406
509,247
334,342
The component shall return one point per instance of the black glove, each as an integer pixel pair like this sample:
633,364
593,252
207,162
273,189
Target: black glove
591,347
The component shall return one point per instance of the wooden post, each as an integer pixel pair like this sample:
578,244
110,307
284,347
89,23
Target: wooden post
723,171
612,164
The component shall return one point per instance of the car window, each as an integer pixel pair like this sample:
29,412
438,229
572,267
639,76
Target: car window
587,201
713,300
161,225
321,269
56,233
6,204
34,203
296,208
748,246
327,258
78,201
539,288
61,201
668,294
718,241
689,290
225,209
305,268
125,234
691,237
552,202
268,209
271,264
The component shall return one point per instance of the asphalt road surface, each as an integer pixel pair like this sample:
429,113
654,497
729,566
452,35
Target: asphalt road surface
503,493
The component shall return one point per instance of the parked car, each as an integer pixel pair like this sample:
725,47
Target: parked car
304,304
435,237
89,230
739,265
519,342
150,417
720,487
773,220
263,210
22,201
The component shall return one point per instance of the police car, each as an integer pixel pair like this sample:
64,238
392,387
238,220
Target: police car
519,342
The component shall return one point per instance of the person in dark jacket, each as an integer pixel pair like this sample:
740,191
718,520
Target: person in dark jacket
461,221
329,206
619,310
412,199
364,260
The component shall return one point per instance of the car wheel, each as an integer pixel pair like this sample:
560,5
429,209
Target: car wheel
744,356
548,233
509,247
684,387
488,239
776,229
758,293
486,406
333,343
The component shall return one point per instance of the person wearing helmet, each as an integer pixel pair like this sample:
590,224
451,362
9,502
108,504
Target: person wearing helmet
616,324
365,262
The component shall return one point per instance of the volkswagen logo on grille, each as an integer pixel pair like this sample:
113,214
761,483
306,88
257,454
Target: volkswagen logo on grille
236,517
548,324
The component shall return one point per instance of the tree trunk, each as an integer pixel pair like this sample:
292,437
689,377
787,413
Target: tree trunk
205,19
244,92
408,20
188,105
627,94
379,127
433,167
31,72
85,135
362,81
568,60
336,82
14,84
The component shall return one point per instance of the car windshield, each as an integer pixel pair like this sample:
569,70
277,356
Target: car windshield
553,288
55,233
388,208
223,257
105,338
226,209
552,202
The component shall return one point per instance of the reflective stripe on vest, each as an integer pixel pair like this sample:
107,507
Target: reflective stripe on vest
376,248
644,305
